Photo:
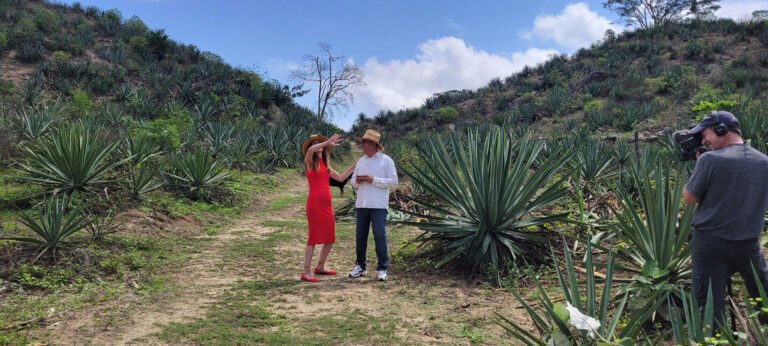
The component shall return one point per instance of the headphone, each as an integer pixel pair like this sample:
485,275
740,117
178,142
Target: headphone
720,128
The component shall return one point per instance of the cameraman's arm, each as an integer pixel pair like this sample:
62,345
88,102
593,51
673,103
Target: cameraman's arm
697,183
689,198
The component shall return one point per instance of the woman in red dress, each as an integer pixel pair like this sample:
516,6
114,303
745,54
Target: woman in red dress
322,227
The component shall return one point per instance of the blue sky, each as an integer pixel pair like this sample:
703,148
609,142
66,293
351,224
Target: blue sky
408,50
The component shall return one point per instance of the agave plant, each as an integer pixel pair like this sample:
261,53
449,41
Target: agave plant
558,324
139,147
100,227
72,159
53,225
30,92
280,151
593,162
692,326
488,196
142,181
655,228
205,111
217,136
35,124
196,172
755,127
241,150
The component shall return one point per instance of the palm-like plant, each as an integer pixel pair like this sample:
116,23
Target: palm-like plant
655,227
196,172
53,225
488,196
72,159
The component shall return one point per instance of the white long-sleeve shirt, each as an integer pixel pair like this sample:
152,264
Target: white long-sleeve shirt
382,169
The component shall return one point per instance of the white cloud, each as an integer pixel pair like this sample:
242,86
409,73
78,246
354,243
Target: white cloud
740,9
577,26
443,64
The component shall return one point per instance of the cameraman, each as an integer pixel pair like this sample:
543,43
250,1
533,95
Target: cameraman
730,184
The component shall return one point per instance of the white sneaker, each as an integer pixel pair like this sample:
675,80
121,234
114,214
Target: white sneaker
382,275
357,272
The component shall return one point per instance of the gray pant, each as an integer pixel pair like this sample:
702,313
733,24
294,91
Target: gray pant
715,260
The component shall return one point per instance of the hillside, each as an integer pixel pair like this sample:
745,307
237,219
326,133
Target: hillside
86,62
642,80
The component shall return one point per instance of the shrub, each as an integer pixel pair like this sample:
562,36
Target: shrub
59,58
45,20
444,115
3,41
43,277
167,131
82,101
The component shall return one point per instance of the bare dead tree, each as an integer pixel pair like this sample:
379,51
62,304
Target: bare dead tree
335,79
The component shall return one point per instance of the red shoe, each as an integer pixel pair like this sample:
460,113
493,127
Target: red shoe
324,272
307,278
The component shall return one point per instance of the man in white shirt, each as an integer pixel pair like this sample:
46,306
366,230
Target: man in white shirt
374,174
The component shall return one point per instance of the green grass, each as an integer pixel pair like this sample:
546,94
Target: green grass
289,224
471,333
243,317
357,327
243,185
237,319
20,306
257,250
99,275
69,284
283,202
12,192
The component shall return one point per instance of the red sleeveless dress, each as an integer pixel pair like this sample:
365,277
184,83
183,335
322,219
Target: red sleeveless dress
322,227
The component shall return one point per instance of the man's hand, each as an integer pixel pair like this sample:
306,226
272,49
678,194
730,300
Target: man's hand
364,179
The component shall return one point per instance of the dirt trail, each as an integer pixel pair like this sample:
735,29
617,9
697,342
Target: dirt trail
425,308
201,280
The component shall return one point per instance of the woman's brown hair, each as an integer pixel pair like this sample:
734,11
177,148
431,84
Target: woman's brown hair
326,160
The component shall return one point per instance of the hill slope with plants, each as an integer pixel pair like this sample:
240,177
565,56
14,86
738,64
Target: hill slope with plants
643,80
61,63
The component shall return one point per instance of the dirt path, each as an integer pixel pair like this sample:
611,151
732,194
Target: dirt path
200,281
413,307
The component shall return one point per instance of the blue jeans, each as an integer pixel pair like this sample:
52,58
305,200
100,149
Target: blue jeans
377,218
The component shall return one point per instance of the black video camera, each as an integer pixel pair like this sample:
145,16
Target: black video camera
689,144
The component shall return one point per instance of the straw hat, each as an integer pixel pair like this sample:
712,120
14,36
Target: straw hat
373,136
308,141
